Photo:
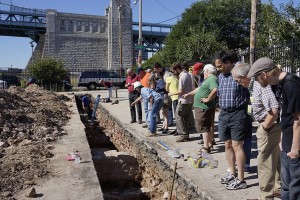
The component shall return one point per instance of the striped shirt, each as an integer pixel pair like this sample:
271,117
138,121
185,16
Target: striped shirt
231,94
264,101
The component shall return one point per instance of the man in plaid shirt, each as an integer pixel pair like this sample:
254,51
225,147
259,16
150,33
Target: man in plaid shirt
234,121
265,110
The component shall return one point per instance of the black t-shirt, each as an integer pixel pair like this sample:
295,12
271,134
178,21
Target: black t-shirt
290,88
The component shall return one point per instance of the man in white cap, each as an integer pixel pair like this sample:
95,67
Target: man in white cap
155,104
266,72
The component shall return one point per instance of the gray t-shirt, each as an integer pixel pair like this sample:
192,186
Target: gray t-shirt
186,85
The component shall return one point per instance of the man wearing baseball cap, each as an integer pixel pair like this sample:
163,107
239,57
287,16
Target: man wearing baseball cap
266,72
197,75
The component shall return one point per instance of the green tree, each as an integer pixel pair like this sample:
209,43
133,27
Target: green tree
208,23
47,70
195,47
277,26
159,58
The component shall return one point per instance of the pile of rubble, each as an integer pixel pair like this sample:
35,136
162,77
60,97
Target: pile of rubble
30,120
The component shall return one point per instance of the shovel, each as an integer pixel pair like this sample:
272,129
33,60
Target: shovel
173,153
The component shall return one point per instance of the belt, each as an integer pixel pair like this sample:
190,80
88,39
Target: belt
243,107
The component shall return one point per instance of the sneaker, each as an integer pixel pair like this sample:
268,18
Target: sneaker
165,131
140,121
145,126
160,129
132,121
227,179
236,185
182,138
151,134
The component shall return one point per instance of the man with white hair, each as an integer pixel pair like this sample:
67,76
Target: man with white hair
265,109
204,105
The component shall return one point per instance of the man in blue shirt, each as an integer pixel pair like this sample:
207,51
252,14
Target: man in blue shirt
86,104
234,121
155,104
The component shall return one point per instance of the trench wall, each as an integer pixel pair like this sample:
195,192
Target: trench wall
157,172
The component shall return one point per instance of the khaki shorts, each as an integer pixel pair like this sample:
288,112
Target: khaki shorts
204,119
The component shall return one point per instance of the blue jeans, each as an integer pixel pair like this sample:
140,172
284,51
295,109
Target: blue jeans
156,106
290,177
147,112
170,116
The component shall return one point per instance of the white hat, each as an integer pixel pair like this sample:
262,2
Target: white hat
137,84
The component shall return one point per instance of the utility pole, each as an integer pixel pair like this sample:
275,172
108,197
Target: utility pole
120,8
253,30
140,31
32,45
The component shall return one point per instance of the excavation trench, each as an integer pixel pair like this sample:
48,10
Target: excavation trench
118,172
128,167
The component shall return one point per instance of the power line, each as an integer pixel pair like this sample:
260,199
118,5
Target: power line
169,19
165,7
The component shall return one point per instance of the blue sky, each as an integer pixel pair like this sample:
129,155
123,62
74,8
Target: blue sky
16,52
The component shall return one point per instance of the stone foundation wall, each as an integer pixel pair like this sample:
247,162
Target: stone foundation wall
156,171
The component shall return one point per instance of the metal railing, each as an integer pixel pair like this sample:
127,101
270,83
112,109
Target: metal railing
286,55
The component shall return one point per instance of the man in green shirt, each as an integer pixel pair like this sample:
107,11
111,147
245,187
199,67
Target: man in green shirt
204,104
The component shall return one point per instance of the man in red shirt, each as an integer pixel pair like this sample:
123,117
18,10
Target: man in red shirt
133,95
109,88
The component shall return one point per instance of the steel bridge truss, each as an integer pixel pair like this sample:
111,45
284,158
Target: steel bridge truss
153,35
22,22
25,22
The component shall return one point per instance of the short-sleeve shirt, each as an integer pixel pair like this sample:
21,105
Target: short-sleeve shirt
146,93
290,105
107,84
132,80
85,101
173,86
144,80
264,101
186,85
231,94
204,91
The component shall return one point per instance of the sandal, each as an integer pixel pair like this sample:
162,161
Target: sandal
204,149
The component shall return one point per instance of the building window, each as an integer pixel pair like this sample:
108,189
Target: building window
62,25
70,26
94,27
102,27
86,26
79,26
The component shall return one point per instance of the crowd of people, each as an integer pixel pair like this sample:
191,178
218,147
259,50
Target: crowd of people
228,85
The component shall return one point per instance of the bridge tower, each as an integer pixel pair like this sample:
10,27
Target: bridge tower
89,42
119,35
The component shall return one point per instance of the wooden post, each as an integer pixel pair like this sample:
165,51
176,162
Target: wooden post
253,30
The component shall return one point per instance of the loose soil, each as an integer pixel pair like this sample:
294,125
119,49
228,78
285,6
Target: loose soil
31,120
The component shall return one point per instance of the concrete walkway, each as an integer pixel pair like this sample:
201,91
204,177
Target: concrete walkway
70,180
208,180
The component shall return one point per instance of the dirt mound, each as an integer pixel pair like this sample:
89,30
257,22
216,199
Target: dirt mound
30,120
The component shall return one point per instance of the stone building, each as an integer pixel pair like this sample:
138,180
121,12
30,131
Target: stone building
85,42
